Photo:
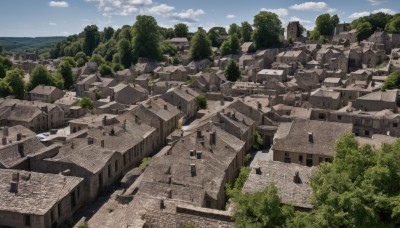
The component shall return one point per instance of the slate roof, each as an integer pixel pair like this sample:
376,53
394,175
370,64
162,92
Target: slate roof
387,96
43,90
36,195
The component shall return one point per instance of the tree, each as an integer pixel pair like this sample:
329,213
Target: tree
235,29
214,37
325,24
300,30
236,189
364,30
108,33
392,81
39,76
80,59
97,59
2,71
258,141
394,25
91,39
168,48
315,35
181,30
5,88
14,79
261,209
247,31
225,48
201,46
146,42
202,101
232,71
71,61
230,46
125,53
105,70
86,103
267,29
56,79
66,73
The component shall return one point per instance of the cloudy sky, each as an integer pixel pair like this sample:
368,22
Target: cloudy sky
33,18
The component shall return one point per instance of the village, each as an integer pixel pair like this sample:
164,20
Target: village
160,141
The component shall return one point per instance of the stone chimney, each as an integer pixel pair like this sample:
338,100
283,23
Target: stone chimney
259,105
310,137
5,131
198,154
104,120
213,138
222,101
15,177
162,205
21,150
124,125
4,141
14,187
165,107
296,178
19,136
169,193
102,143
193,169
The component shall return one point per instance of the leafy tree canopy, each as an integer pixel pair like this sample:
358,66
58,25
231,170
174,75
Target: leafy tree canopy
181,30
267,29
232,71
201,46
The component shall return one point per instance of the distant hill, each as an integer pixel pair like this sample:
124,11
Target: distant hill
21,44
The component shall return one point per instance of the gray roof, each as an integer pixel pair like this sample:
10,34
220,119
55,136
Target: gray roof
387,96
282,174
37,195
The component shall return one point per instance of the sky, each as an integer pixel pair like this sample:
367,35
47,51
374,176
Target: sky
34,18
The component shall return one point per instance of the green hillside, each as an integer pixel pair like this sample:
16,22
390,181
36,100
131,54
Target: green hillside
21,44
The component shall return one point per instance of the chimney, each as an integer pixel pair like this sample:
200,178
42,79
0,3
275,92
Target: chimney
15,177
198,154
165,107
193,169
213,138
258,170
4,141
296,178
104,120
222,101
21,150
124,125
5,131
14,187
72,145
102,143
90,141
19,136
259,105
162,206
169,193
137,120
310,137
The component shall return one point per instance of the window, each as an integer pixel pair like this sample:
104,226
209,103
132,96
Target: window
321,116
286,154
339,117
208,203
394,124
321,159
309,155
301,159
366,132
287,160
109,170
27,220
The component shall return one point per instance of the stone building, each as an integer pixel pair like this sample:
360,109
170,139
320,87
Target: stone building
184,98
171,73
29,199
128,93
325,99
293,30
378,101
46,93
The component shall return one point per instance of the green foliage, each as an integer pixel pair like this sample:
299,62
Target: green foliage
145,162
86,103
364,30
300,31
392,81
290,39
202,101
56,79
247,31
189,225
107,34
146,42
258,141
168,48
5,88
261,209
84,225
393,26
6,62
325,24
125,53
267,29
201,46
235,29
191,80
80,59
70,60
2,71
232,71
236,189
97,59
66,73
91,39
117,67
14,78
97,95
376,20
39,76
21,44
230,46
175,60
105,69
315,35
181,30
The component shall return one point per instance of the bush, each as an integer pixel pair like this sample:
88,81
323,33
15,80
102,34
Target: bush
392,81
202,100
258,141
145,162
86,103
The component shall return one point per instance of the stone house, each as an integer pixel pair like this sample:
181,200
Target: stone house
370,58
171,73
292,30
269,75
354,56
348,37
307,142
143,80
34,115
92,84
325,99
292,181
290,57
161,87
66,102
378,101
354,90
307,79
247,47
128,93
332,82
56,198
125,76
184,98
83,122
208,82
180,42
46,93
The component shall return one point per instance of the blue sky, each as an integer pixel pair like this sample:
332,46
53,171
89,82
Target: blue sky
33,18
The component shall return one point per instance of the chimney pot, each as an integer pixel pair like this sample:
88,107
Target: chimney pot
310,137
296,178
213,138
14,187
165,107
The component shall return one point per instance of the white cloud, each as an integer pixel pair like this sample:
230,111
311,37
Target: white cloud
127,7
383,10
281,12
357,15
60,4
163,8
52,24
300,20
189,15
376,2
312,6
230,16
